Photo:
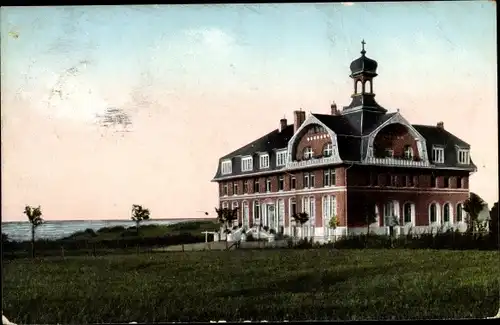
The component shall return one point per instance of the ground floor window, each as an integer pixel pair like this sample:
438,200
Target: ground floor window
446,212
432,213
459,212
407,213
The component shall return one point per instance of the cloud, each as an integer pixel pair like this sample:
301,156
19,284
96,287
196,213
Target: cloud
212,38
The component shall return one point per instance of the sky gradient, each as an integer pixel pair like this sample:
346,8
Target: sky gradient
199,81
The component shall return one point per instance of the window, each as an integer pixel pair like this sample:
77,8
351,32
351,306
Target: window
463,156
389,212
264,161
245,187
407,213
446,212
415,180
281,183
293,207
268,185
224,189
460,182
433,181
256,210
389,153
293,182
432,213
225,205
394,180
234,206
459,212
306,180
438,155
373,179
256,187
312,179
308,153
246,164
281,158
409,181
327,150
235,188
446,181
226,167
408,152
326,178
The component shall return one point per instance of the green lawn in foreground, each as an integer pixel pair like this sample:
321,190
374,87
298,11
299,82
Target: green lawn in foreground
253,284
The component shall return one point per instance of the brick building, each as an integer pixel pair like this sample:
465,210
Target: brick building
326,164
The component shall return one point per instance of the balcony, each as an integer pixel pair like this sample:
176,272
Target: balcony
312,162
399,162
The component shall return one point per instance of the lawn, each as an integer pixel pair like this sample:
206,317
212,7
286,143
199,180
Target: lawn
253,285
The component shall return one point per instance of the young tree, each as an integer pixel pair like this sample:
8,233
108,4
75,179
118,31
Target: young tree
139,214
300,218
226,217
35,217
473,206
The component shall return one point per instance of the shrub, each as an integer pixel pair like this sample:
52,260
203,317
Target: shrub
266,228
272,231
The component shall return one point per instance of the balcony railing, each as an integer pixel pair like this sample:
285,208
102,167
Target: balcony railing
395,162
312,162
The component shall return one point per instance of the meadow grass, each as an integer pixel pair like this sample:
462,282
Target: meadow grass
269,285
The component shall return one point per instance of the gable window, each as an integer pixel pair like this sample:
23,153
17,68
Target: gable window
246,164
264,161
308,153
268,185
438,155
281,183
293,182
245,187
256,187
327,150
463,156
235,188
281,157
408,152
389,153
226,167
224,189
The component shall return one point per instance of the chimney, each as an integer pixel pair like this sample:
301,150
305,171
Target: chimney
440,125
334,109
298,118
283,124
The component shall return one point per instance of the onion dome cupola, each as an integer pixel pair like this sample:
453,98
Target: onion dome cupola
363,71
363,65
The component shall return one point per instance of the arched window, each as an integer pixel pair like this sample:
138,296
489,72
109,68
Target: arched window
407,213
308,153
246,216
389,212
459,212
256,211
432,213
408,152
327,150
446,212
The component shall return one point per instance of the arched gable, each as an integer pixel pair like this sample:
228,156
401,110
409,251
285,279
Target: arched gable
312,120
399,119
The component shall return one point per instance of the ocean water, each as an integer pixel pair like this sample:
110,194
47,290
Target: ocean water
20,231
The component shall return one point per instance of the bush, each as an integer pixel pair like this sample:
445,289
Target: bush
250,237
115,229
266,228
272,231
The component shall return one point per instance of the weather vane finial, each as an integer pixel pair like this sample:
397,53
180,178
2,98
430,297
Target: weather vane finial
363,47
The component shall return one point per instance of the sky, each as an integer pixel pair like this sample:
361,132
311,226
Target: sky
199,81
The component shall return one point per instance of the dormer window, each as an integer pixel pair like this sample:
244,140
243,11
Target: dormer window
281,157
463,156
264,161
389,153
308,153
408,152
226,167
438,155
246,164
327,150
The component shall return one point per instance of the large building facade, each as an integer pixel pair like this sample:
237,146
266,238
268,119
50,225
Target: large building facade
328,164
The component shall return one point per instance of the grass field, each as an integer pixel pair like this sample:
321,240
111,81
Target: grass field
253,285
